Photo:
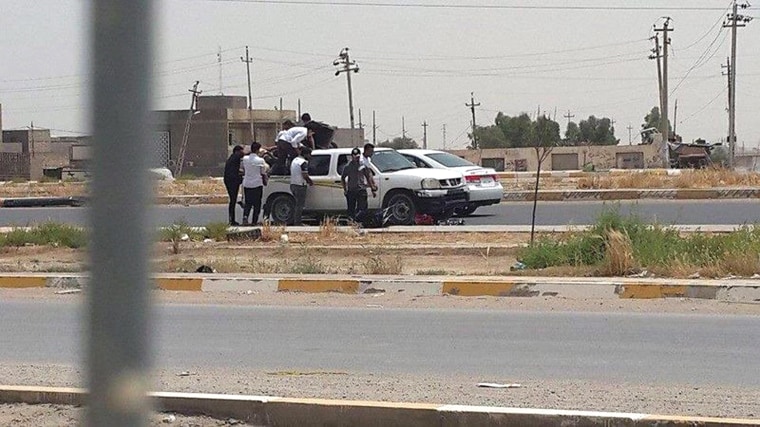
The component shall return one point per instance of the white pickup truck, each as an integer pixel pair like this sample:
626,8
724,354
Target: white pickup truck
402,187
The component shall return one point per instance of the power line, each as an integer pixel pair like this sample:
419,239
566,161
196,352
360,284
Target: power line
470,6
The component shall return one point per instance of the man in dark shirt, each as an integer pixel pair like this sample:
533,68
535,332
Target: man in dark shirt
232,180
354,186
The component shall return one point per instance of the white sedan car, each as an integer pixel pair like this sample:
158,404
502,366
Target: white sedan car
485,188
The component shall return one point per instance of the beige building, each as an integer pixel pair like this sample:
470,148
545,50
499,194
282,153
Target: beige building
571,158
27,153
220,123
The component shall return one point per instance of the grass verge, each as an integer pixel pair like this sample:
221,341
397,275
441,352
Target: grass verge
51,234
617,245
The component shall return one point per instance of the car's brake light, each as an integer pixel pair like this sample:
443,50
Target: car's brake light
472,178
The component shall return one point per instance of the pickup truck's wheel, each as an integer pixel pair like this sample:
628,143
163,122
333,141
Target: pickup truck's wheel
466,210
402,209
282,209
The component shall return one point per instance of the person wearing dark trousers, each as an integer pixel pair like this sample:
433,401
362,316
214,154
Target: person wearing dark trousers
288,141
300,181
232,181
354,187
254,180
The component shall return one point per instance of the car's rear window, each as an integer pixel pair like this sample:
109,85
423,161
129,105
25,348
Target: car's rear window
449,160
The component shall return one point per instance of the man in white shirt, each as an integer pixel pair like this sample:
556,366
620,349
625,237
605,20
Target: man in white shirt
299,181
254,180
288,141
365,167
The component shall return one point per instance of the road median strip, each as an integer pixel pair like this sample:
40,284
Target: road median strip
272,410
508,196
728,290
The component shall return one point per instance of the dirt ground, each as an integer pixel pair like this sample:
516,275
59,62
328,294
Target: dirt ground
332,252
705,178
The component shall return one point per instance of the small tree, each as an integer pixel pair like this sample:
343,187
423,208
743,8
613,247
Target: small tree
545,136
572,134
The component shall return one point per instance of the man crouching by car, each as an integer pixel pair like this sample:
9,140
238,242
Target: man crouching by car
300,181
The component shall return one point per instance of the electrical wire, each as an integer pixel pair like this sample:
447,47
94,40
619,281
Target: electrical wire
704,107
471,6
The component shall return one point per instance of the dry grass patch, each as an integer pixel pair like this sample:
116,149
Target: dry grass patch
618,256
378,265
686,178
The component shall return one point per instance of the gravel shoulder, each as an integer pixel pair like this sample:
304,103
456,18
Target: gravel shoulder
571,395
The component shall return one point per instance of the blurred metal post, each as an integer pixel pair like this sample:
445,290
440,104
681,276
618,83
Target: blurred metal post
118,345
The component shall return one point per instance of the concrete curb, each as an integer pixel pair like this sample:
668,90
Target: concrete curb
34,202
271,410
509,196
742,290
485,229
549,195
634,194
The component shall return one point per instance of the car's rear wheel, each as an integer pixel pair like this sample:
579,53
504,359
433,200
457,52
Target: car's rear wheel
282,209
401,209
466,210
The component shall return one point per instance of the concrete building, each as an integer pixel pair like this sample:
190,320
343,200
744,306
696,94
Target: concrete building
27,153
571,158
220,123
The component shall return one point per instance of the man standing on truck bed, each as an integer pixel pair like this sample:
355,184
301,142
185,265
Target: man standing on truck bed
299,181
288,141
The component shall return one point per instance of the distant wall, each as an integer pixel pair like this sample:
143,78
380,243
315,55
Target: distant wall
567,158
14,166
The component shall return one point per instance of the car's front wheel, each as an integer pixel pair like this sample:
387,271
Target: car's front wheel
401,209
282,209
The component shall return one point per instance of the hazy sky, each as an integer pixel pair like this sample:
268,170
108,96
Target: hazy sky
417,62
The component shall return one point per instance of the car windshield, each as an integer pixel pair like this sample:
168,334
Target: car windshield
449,160
391,161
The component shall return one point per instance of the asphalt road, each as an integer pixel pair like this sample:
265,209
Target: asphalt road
700,212
662,349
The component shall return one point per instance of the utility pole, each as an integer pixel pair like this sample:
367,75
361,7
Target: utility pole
675,119
31,135
347,66
630,134
299,108
219,61
444,137
568,116
665,125
361,124
472,106
248,60
657,56
374,129
424,134
735,21
186,134
403,128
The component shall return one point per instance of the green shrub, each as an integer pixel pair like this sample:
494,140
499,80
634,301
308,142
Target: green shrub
651,246
216,231
50,233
